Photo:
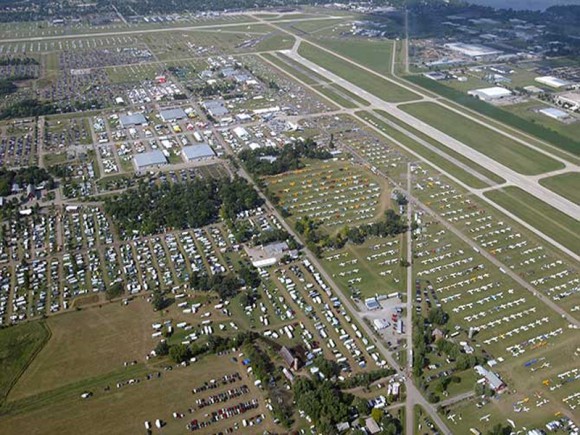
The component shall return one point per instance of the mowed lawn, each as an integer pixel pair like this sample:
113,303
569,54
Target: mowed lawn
88,343
552,222
377,86
18,346
504,150
566,185
376,55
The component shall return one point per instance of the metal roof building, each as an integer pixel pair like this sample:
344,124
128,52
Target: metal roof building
169,115
215,108
197,152
554,113
132,120
493,93
151,158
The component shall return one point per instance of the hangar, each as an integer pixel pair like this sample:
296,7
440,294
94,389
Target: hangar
197,152
149,159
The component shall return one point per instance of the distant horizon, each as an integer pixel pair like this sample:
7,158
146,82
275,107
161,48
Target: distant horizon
536,5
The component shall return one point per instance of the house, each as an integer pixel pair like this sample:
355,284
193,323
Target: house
437,334
288,358
490,378
372,426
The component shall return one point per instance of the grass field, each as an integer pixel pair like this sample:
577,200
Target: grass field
501,118
336,96
565,185
74,353
18,346
493,144
382,88
429,155
473,165
376,55
542,216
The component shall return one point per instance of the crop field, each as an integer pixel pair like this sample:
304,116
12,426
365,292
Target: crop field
334,194
375,85
495,145
561,227
565,185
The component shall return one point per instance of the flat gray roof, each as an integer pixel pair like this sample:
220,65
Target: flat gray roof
173,114
201,151
216,107
131,120
151,158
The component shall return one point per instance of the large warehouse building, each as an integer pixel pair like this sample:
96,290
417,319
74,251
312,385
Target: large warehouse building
553,82
197,152
473,50
490,94
149,160
132,120
170,115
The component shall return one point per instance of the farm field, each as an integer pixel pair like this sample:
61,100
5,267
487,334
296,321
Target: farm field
537,213
375,85
495,145
565,185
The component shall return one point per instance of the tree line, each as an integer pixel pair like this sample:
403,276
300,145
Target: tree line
152,208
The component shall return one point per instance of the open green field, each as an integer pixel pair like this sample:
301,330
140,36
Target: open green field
277,41
376,55
457,156
377,86
512,154
300,73
555,224
74,353
565,185
18,347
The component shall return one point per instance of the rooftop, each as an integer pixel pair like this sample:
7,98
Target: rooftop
201,151
151,158
131,120
173,114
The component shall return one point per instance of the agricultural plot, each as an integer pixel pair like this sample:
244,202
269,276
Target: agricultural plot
495,145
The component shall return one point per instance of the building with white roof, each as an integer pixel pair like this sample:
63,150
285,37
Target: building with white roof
473,50
553,82
489,94
149,159
554,113
132,120
169,115
197,152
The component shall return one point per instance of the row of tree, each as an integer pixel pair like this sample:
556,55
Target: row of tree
273,161
152,208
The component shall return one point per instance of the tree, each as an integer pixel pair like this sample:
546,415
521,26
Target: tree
500,429
377,414
361,405
162,348
114,291
179,353
158,301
